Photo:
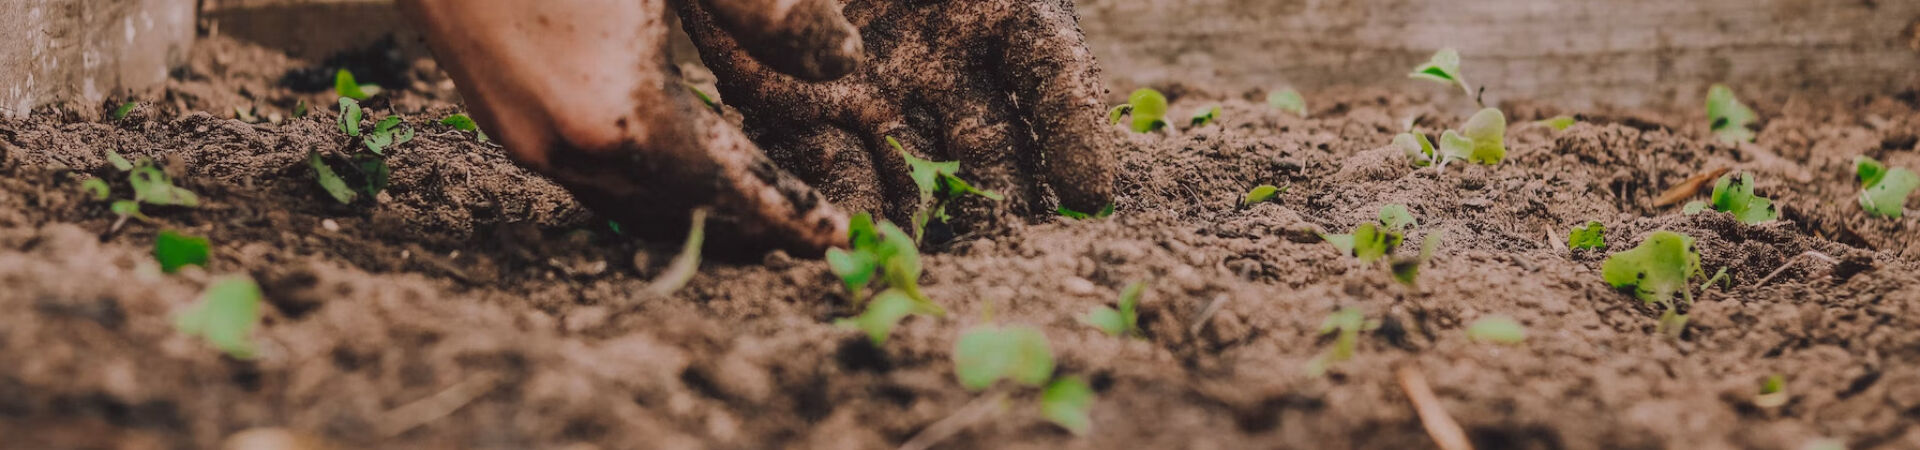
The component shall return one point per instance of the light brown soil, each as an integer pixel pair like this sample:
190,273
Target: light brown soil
480,287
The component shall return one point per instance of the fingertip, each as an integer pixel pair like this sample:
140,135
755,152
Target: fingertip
808,39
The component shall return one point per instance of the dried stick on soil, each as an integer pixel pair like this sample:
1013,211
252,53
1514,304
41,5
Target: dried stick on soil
962,418
436,406
1687,189
1790,262
1206,314
1445,432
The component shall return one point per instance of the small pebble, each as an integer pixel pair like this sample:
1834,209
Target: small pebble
1077,286
330,225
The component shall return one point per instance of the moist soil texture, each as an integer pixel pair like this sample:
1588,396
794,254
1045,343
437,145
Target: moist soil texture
476,305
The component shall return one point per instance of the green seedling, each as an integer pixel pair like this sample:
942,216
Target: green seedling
97,189
1773,392
1729,119
685,264
225,316
1417,148
1259,194
1288,100
124,109
1346,325
881,252
150,185
1720,277
1558,123
1066,402
704,98
1204,116
1443,68
1735,196
370,169
1104,212
1497,329
1482,140
1657,270
461,122
386,133
245,114
175,250
118,162
883,313
1396,217
939,186
1372,240
987,354
345,86
300,109
1884,192
1407,269
330,181
1121,322
1148,109
1592,236
350,115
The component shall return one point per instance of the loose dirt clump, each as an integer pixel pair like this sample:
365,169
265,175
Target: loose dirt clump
477,305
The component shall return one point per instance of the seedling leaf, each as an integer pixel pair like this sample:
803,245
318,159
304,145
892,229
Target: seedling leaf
350,116
345,86
225,316
175,250
1657,269
1443,68
855,269
1396,217
1407,270
1118,112
96,188
687,263
1417,148
1343,242
118,162
1591,236
1370,243
152,186
1736,196
1486,134
1066,402
462,122
1204,116
1728,117
883,313
1103,213
329,180
1120,322
1773,392
704,98
1259,194
124,109
127,208
1497,329
1288,100
1885,192
1149,110
1347,323
988,353
1558,123
1694,207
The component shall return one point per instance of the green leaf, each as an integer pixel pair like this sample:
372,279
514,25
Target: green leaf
924,172
686,264
1455,146
1657,269
1396,217
1694,207
1487,130
1736,196
175,250
462,122
118,162
1204,116
1121,322
300,109
861,233
1775,383
1149,110
225,316
1066,402
124,109
1259,194
1288,100
855,269
1346,324
1558,123
1592,236
882,314
152,186
1728,118
350,116
1407,270
1103,213
704,98
127,208
1417,148
951,186
1884,192
1118,112
1869,170
329,180
1343,242
345,86
1106,319
988,353
1370,243
245,114
376,173
1497,329
96,188
1443,68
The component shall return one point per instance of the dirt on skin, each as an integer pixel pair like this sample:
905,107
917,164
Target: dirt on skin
475,305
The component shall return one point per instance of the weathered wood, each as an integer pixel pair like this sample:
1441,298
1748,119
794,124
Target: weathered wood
1576,52
84,50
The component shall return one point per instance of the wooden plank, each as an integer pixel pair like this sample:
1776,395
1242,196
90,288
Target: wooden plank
85,50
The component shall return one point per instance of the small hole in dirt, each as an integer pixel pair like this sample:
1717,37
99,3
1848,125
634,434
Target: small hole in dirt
245,375
1859,384
858,353
1898,142
1534,436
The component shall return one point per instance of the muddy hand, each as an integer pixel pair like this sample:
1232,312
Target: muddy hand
581,91
1006,87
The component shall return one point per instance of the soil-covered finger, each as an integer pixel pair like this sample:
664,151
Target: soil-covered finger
808,39
1058,82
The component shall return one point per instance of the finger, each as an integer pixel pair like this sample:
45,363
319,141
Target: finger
837,163
1050,65
809,39
979,130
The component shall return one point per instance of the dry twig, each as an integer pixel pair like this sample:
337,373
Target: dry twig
1445,432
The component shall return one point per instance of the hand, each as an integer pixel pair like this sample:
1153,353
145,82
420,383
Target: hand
1006,87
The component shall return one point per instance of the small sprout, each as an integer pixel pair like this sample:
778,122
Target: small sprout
1729,118
1066,402
1694,207
124,109
350,115
1736,196
127,209
1259,194
1204,116
461,122
152,186
1592,236
386,133
1119,322
1288,100
96,188
1346,324
1482,140
1884,192
345,86
1104,212
245,114
1718,277
1407,270
1148,108
1773,392
118,162
882,252
687,263
175,250
300,109
1558,123
1417,148
1396,217
225,316
1656,270
1497,329
1443,68
883,313
1370,243
988,353
939,185
330,181
704,98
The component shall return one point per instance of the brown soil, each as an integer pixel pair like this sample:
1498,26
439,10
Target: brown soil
478,290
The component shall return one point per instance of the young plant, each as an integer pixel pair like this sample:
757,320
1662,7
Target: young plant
1407,269
225,316
939,186
175,250
124,109
1417,148
1259,194
1592,236
150,185
1204,116
1773,392
1482,140
1346,325
1735,195
1443,68
1148,109
1558,123
1372,240
1497,329
883,313
345,86
1066,402
370,169
1104,212
1119,322
1728,117
986,354
685,264
1396,217
1884,192
1288,100
704,98
1658,269
461,122
879,252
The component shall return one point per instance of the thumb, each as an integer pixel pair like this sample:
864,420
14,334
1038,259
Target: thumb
808,39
